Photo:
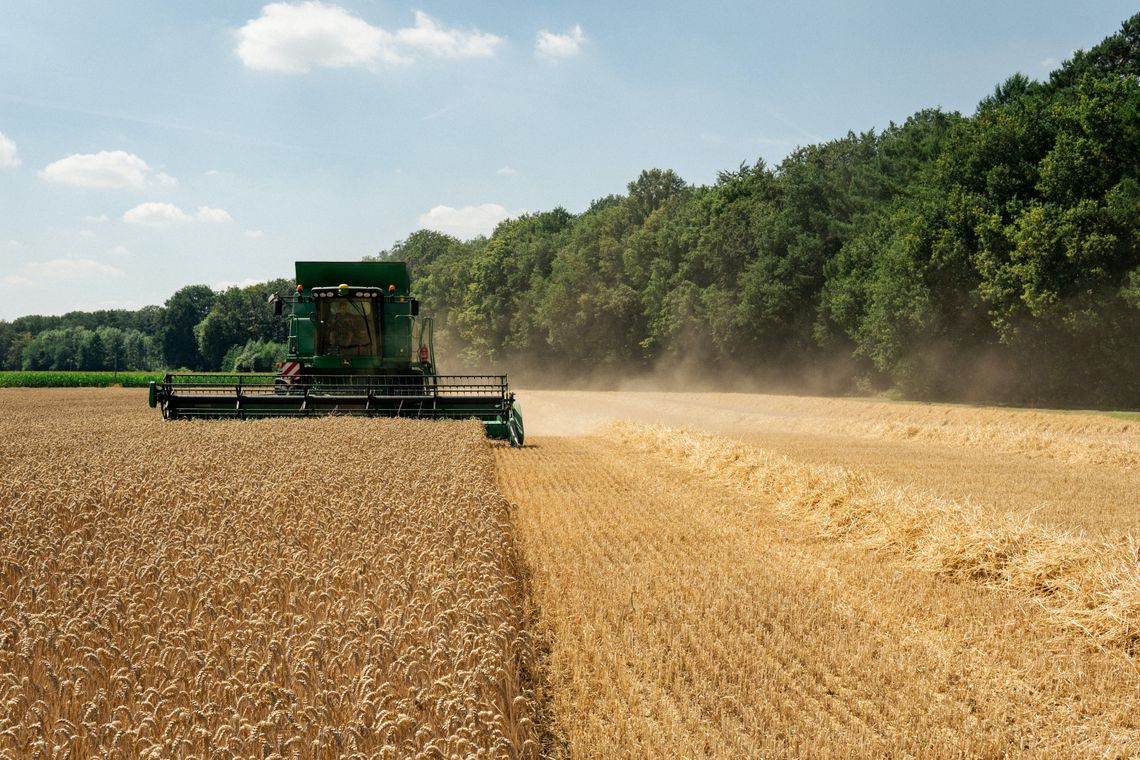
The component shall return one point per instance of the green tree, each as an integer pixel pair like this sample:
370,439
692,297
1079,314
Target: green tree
59,349
440,268
92,352
592,316
183,311
652,189
254,356
237,316
505,283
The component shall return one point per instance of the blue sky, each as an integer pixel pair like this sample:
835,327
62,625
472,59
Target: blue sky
145,146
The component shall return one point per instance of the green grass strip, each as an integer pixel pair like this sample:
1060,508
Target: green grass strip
77,379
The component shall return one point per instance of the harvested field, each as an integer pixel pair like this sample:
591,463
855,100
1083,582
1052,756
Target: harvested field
1085,437
689,619
280,588
703,597
1078,471
1091,586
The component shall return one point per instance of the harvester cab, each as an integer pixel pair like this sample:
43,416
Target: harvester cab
357,346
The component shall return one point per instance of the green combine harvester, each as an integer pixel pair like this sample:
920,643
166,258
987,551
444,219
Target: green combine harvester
357,346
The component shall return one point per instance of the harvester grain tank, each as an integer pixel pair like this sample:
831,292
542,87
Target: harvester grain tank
357,346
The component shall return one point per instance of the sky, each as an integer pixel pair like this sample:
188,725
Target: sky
146,146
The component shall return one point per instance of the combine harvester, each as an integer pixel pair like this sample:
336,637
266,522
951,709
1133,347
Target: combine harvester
357,346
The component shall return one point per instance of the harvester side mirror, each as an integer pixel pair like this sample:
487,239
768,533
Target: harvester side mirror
415,307
278,304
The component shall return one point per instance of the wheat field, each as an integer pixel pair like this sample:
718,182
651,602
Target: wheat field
280,588
704,596
747,576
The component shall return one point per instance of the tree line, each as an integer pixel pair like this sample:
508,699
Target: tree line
994,256
197,328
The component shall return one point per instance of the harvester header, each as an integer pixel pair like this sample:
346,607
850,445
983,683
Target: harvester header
357,346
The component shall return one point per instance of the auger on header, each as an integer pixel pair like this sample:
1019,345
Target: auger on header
357,346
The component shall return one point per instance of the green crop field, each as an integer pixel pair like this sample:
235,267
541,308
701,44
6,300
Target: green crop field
77,379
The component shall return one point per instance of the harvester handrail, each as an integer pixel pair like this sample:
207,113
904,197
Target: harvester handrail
451,386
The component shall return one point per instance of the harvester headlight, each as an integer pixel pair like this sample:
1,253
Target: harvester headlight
359,294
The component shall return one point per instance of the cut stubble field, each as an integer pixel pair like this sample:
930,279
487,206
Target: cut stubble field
1074,470
766,576
827,577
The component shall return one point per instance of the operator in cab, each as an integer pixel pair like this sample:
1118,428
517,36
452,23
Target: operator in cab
348,329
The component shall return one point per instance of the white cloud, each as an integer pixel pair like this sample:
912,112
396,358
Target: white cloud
466,222
118,250
131,304
254,234
56,270
775,142
214,215
156,214
8,157
430,37
295,38
153,214
1052,62
105,169
505,170
100,219
440,112
227,284
15,279
550,45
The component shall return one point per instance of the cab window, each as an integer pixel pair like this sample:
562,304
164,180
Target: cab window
347,327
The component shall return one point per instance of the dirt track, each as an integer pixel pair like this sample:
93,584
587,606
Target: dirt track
688,619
